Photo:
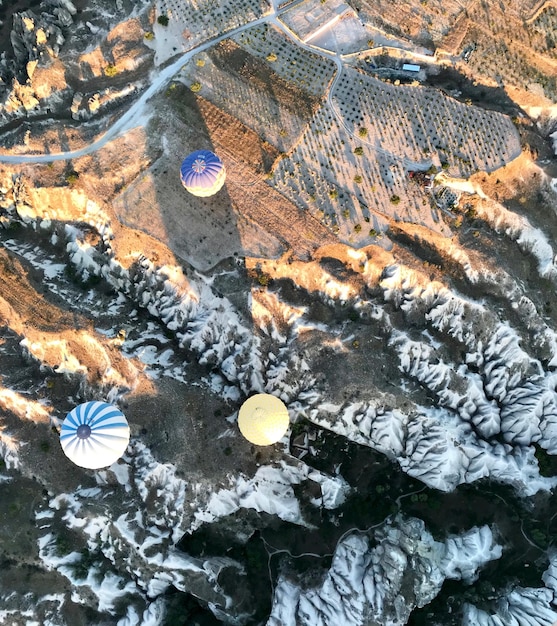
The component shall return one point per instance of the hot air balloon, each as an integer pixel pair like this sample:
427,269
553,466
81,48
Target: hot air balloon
94,435
263,419
202,173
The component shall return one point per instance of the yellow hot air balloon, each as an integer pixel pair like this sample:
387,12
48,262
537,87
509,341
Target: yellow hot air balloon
263,419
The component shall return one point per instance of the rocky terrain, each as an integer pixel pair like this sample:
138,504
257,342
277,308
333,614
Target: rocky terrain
382,258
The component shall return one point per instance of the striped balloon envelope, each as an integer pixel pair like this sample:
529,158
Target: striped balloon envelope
94,435
202,173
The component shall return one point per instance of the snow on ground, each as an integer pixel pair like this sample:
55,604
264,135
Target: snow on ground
9,449
270,491
530,240
382,574
135,549
520,607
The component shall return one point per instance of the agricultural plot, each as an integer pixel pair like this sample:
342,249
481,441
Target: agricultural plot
250,89
423,22
508,63
420,126
307,70
545,25
193,21
352,164
309,16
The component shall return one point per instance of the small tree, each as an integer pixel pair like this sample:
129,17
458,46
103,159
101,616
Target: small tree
358,151
195,87
395,199
163,20
110,70
362,132
358,179
71,177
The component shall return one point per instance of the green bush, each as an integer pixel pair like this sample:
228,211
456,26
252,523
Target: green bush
359,151
110,70
162,20
71,177
395,199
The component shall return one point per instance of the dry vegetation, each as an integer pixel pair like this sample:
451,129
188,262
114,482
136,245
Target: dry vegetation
354,173
306,70
513,43
248,88
246,217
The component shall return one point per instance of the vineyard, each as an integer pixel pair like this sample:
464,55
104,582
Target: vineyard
351,166
186,23
305,69
276,99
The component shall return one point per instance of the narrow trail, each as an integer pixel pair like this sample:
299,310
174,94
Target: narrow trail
132,117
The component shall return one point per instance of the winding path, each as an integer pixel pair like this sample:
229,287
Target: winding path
132,116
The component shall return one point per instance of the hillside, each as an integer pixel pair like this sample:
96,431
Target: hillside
381,257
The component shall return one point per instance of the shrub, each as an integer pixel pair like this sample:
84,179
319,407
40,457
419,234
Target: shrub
195,87
149,35
359,150
162,20
358,228
110,70
362,132
263,279
200,62
395,199
71,177
358,179
333,194
271,57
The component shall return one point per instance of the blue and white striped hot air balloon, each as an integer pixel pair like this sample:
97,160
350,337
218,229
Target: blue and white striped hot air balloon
94,435
202,173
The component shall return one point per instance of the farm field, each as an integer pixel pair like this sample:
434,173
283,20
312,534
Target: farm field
352,164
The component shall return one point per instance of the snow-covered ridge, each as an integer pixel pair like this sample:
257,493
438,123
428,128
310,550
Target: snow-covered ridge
520,606
136,548
382,575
